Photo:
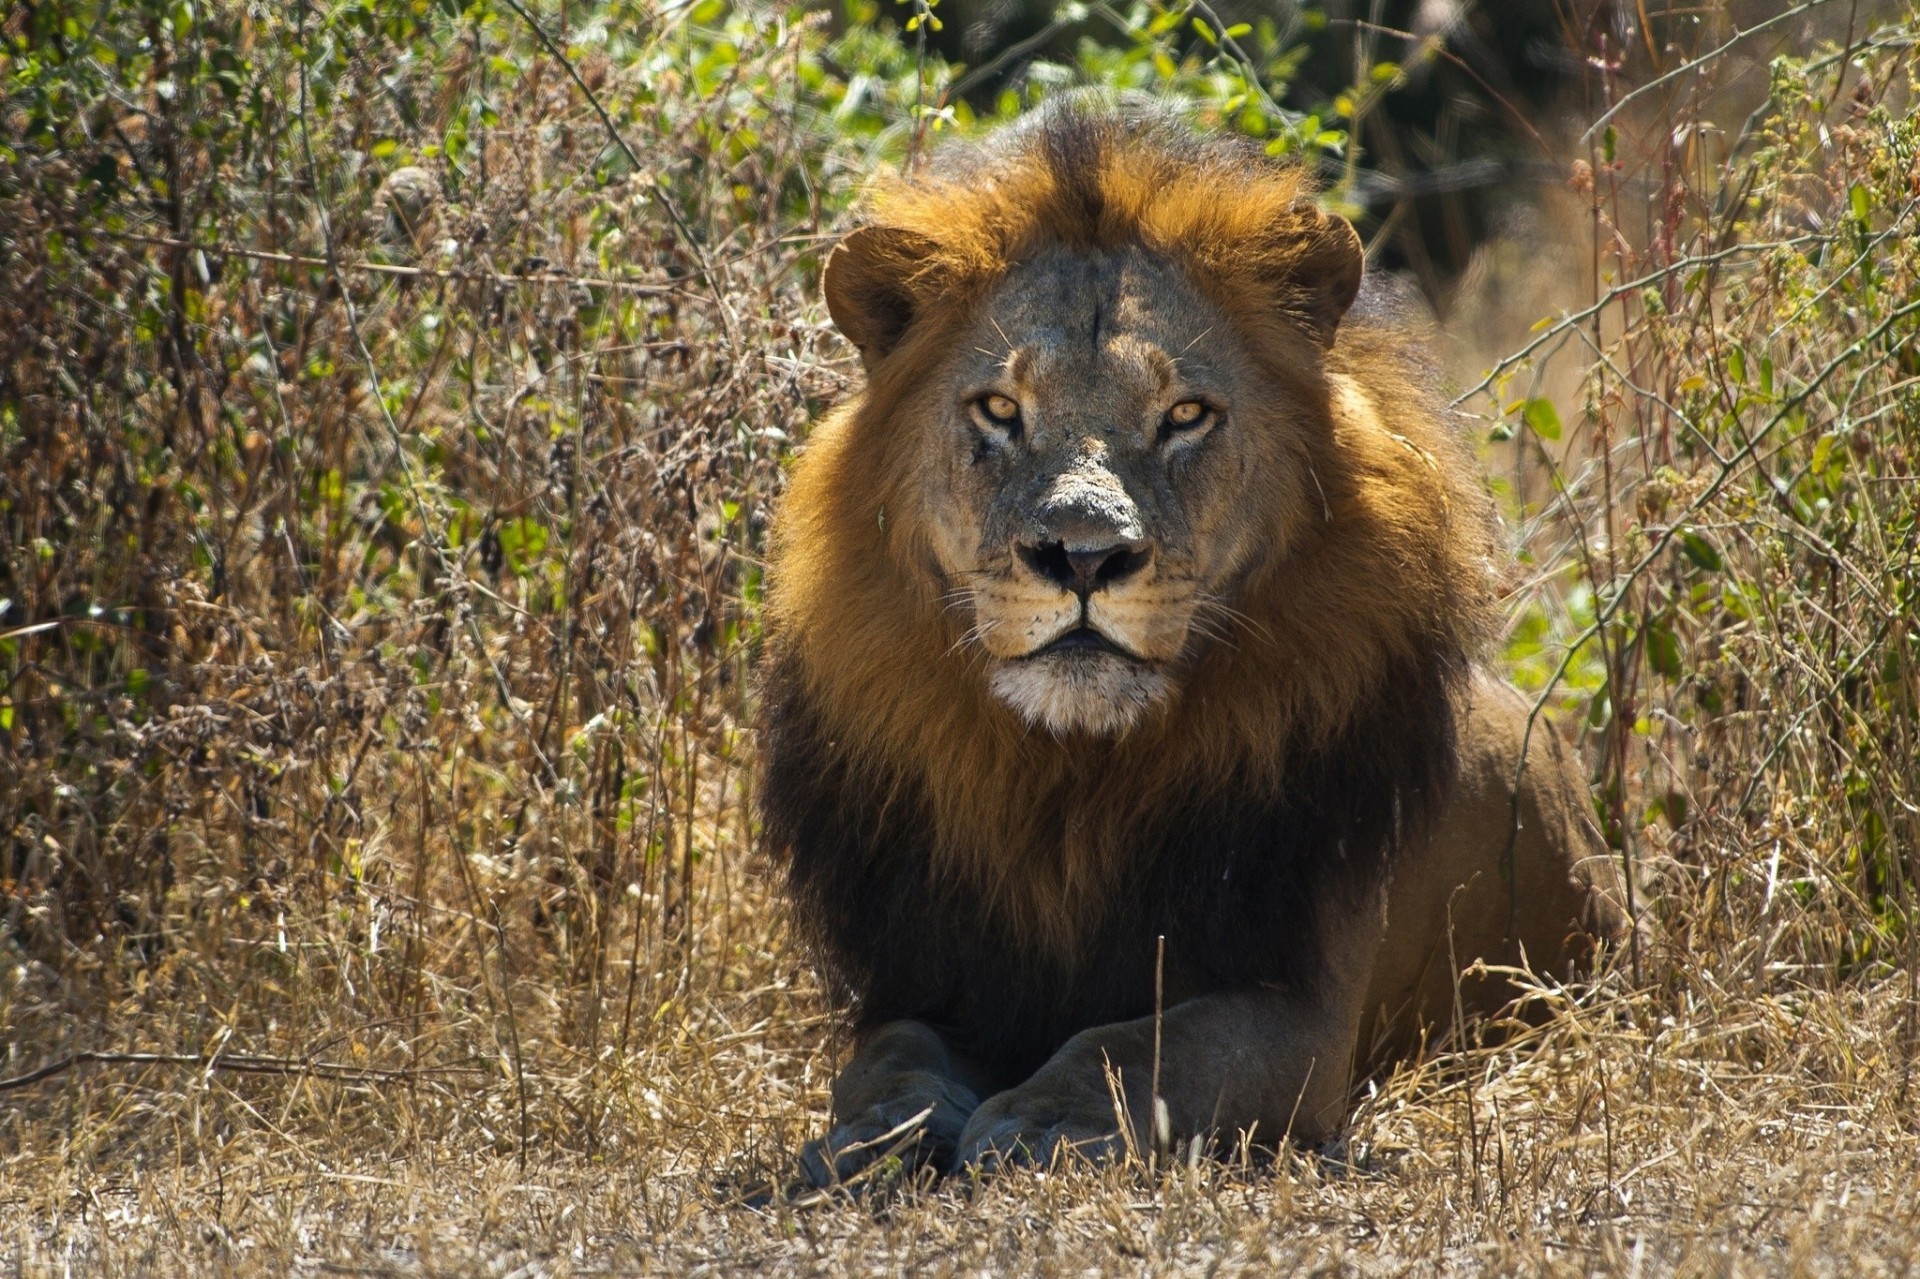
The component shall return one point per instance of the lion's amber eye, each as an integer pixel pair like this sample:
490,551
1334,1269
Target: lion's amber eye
999,410
1185,416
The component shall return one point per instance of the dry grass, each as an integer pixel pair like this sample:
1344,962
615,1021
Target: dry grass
376,649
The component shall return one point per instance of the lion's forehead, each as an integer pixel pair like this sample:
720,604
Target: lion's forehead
1096,346
1101,328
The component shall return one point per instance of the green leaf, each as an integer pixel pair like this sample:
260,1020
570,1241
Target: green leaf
1663,649
1823,454
522,543
1542,419
1857,200
1701,552
1670,807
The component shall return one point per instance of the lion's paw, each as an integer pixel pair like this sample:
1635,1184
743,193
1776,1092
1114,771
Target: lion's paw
916,1135
1010,1130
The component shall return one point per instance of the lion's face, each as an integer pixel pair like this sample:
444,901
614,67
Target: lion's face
1097,386
1096,444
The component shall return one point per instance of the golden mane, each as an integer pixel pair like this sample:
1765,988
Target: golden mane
1395,575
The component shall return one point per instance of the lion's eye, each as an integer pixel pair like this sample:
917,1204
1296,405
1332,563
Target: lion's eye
997,417
1187,415
999,410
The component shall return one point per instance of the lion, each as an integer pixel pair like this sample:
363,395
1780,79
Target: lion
1126,731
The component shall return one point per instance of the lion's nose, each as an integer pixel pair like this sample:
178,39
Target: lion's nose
1084,572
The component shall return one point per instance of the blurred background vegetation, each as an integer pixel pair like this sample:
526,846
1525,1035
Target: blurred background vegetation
393,394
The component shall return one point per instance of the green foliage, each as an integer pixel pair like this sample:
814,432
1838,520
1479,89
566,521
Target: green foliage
1740,497
1235,75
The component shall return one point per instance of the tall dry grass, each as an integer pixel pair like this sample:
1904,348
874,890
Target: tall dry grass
393,400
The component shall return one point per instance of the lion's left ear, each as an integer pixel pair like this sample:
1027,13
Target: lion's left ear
1324,264
868,282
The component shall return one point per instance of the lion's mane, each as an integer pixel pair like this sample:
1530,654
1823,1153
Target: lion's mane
1006,886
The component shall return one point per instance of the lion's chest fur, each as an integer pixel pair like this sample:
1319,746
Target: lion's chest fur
1234,880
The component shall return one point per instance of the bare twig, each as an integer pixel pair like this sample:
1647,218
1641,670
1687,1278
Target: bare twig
1695,64
454,274
238,1064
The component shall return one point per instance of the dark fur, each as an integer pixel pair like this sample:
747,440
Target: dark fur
1216,877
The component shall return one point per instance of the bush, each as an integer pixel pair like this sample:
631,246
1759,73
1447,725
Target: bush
1725,517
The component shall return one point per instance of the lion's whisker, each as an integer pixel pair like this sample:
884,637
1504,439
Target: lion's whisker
1003,337
1208,629
1214,604
972,636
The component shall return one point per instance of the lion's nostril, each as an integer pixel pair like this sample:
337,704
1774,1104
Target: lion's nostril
1118,564
1084,572
1050,561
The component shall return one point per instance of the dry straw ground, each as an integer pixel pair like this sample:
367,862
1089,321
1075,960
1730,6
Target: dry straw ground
391,404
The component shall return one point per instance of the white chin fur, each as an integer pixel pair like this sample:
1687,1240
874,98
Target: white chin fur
1078,692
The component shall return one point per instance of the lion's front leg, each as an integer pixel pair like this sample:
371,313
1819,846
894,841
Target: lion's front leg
1234,1062
1263,1061
904,1094
1068,1104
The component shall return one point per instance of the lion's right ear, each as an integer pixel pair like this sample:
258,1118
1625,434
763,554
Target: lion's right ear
1328,261
868,283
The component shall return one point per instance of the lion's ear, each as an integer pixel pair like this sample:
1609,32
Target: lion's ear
868,283
1327,263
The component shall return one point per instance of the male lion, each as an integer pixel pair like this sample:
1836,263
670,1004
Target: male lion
1141,595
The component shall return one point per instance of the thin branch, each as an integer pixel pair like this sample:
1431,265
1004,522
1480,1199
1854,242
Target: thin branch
1574,319
593,99
410,272
434,536
1694,65
1014,53
243,1065
1616,598
659,188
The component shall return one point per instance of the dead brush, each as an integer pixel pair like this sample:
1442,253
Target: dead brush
410,729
